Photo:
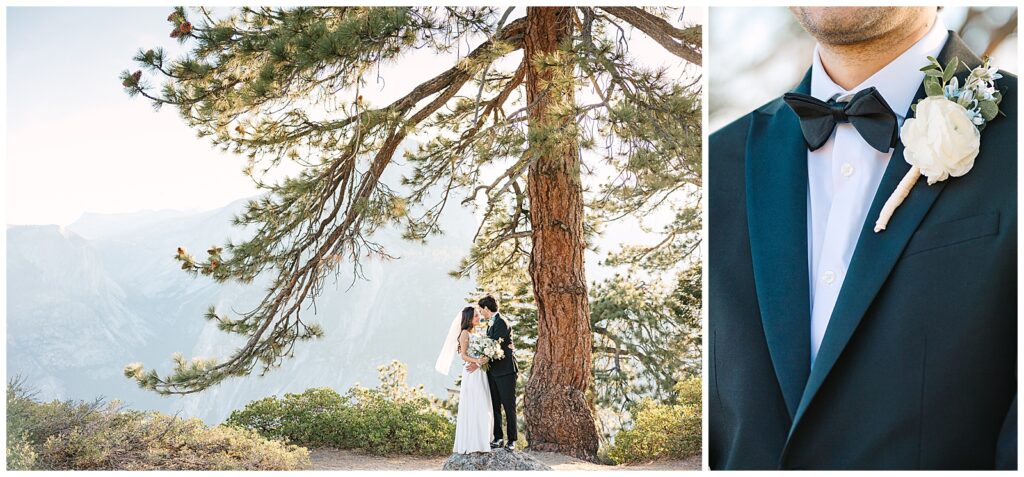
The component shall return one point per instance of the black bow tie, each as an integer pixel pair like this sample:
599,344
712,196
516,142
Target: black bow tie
867,111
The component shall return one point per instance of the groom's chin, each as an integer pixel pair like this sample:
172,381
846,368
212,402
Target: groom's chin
852,25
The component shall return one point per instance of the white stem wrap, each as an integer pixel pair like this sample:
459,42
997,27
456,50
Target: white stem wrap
894,201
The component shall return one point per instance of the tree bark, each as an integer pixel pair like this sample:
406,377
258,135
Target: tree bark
558,407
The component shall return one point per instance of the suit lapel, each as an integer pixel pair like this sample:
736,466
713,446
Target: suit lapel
776,188
876,253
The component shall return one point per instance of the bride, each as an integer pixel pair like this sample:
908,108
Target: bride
474,422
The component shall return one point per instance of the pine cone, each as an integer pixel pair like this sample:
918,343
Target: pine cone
185,27
175,33
181,251
132,80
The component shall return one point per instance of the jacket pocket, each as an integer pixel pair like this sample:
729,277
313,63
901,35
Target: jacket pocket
953,232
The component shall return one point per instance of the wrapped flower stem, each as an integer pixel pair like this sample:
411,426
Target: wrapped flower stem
897,197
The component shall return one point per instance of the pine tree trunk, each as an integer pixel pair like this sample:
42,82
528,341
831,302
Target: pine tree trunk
558,410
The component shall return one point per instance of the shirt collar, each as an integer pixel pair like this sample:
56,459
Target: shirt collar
898,81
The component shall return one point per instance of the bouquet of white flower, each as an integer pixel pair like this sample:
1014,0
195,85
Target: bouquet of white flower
489,348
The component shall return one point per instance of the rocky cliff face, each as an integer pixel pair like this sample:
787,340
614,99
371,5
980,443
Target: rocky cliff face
85,300
66,317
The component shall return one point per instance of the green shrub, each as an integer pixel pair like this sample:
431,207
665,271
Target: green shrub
662,430
688,392
390,419
20,455
307,418
74,435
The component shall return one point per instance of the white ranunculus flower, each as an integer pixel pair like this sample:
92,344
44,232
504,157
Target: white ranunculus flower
940,140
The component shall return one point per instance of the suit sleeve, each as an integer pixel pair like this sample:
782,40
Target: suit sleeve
1006,446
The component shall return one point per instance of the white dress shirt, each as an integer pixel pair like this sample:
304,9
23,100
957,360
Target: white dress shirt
843,175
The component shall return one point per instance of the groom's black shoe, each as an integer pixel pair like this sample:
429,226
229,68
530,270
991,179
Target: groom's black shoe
511,445
496,444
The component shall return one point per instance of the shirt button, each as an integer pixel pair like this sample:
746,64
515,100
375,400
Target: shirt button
847,170
828,277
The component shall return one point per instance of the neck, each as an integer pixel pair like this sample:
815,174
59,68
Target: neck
849,65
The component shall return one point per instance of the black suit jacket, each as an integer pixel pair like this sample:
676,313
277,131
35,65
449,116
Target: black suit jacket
917,369
506,365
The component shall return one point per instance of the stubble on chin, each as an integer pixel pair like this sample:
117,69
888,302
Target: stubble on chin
849,25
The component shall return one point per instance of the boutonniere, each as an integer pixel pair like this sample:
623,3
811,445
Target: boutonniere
943,137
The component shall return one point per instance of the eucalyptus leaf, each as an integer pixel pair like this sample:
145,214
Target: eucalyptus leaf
935,72
950,69
932,86
989,110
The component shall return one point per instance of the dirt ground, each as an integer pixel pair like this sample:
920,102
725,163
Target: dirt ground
335,459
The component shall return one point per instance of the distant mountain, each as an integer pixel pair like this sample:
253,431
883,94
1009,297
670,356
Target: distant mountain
95,226
67,318
79,309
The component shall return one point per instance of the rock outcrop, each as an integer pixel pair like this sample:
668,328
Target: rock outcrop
498,459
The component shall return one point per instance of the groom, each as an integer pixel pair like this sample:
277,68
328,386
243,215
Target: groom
832,346
502,375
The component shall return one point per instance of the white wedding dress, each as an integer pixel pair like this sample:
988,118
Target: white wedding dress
474,425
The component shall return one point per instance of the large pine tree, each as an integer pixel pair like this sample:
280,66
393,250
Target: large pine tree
285,85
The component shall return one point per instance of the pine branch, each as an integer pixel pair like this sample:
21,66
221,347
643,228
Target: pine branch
684,43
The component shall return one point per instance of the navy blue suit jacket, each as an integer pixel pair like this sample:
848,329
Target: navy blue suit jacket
506,365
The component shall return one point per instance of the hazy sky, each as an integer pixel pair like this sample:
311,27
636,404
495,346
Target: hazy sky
77,143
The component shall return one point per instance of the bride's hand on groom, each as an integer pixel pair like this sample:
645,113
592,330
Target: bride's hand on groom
475,366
